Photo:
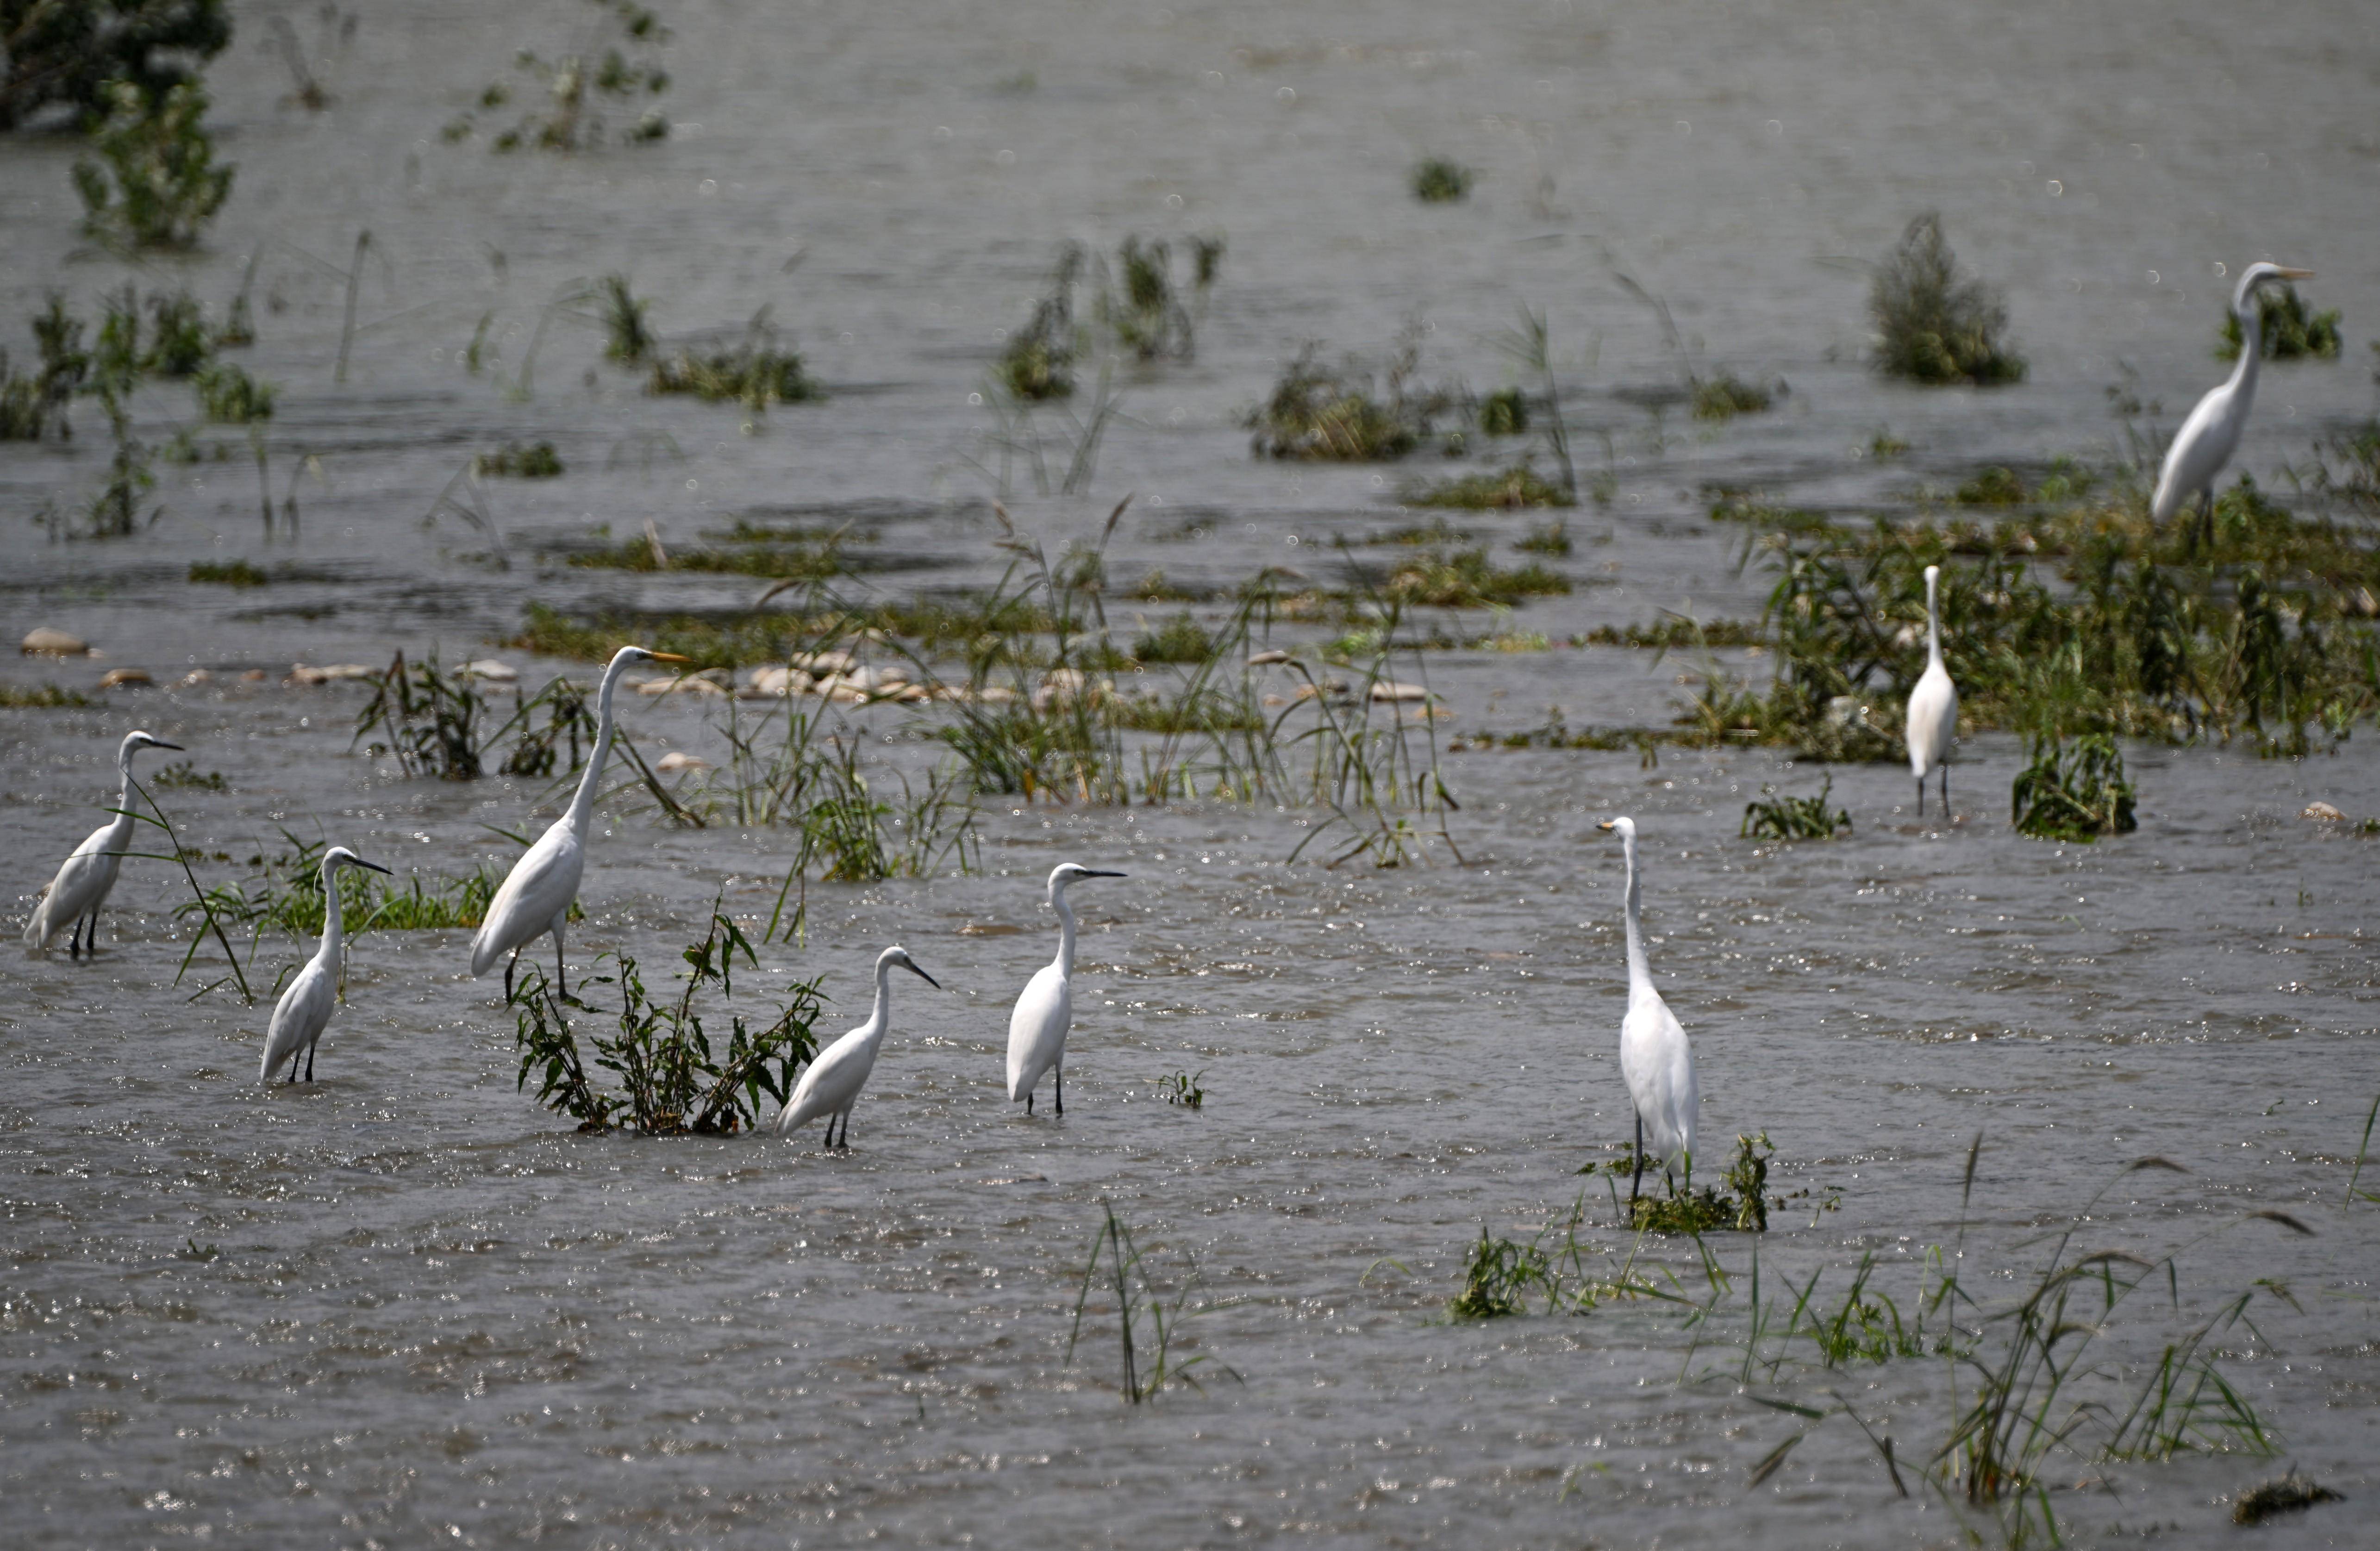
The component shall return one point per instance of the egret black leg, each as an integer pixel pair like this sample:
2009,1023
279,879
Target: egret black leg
91,939
73,941
561,978
1029,1102
1921,796
1945,790
1637,1180
1059,1072
510,964
310,1062
293,1068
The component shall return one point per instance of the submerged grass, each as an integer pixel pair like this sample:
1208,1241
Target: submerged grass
1775,818
2073,792
518,460
1327,414
1501,490
229,573
1148,1360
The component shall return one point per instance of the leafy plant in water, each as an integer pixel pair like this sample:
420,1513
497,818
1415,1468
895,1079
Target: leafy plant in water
1774,817
1504,412
73,52
616,63
517,460
2289,331
754,372
1182,1089
1501,490
30,404
627,337
2074,792
229,396
1138,1300
1437,181
1143,313
283,893
1038,362
2290,1493
229,573
155,183
1320,414
1934,323
1499,1278
668,1080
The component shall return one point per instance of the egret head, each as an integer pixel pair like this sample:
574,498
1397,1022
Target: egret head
1625,828
1072,872
626,655
899,955
2258,273
1933,573
139,739
340,856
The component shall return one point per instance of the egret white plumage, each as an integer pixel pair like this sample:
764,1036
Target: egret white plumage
74,896
1655,1059
830,1084
1037,1029
2211,435
1933,720
535,897
305,1008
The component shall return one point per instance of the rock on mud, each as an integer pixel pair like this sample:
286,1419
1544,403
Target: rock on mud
46,642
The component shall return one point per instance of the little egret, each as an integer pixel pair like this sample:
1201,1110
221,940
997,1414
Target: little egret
536,896
2211,435
1036,1030
1933,719
1654,1056
74,896
831,1085
306,1007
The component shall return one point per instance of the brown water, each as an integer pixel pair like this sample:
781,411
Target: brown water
433,1313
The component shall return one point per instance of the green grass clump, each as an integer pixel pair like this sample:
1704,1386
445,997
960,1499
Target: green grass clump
1724,396
1739,1202
533,460
1993,487
155,183
627,337
1775,818
2288,331
1038,362
754,373
1439,181
42,696
1504,412
1550,538
1144,314
1319,413
2290,1494
229,396
1497,1282
1180,639
1468,579
800,562
1504,490
179,341
1181,1090
1935,325
229,573
73,52
2076,792
573,91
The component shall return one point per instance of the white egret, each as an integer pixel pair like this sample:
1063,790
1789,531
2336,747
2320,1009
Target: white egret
830,1084
535,897
1655,1059
1036,1030
1933,720
74,896
2211,435
305,1008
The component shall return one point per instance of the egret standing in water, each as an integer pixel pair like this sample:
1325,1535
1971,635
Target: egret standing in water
1036,1030
74,896
535,897
2211,435
1655,1059
306,1007
1933,720
831,1085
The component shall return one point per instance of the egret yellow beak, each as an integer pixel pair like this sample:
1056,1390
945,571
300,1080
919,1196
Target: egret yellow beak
670,657
2297,274
1605,826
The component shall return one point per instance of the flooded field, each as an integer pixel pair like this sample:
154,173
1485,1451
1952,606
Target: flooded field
405,1303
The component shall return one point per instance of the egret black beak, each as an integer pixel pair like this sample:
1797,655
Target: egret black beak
375,867
160,743
1095,872
921,974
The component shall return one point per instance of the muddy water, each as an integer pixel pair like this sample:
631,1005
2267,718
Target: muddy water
405,1304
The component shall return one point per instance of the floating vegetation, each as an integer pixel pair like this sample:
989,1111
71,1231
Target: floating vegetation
1497,1282
229,396
1148,1362
1549,539
229,573
574,91
1775,818
154,184
72,51
2073,792
1739,1202
754,373
1724,396
1467,579
517,460
1319,413
1182,1089
2291,1493
1934,323
666,1079
1437,181
2287,329
1504,412
751,552
1504,490
628,338
42,696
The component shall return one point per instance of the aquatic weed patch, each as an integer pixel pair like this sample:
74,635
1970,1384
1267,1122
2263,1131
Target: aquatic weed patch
1774,817
1148,1360
1321,413
1499,490
2075,792
1934,323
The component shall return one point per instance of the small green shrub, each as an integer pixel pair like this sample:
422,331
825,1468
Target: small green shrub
1552,538
228,572
1774,817
755,373
1504,412
1724,396
2073,792
73,52
2287,331
1318,413
1935,325
628,338
1180,639
573,90
155,183
180,343
516,460
1497,1282
1038,362
1439,181
229,396
1738,1203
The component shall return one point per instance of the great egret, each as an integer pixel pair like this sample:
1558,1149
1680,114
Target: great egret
536,895
305,1008
2211,435
1036,1030
1933,718
1654,1056
831,1085
74,896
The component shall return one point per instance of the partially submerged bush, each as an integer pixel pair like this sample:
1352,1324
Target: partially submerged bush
2287,331
1038,362
229,396
28,406
1319,412
1499,490
71,51
628,338
1439,181
1504,412
1935,325
155,183
1144,313
518,460
576,88
228,572
1724,396
2074,792
754,373
1774,817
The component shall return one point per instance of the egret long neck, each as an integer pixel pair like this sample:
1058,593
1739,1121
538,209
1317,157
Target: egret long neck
881,1017
1640,975
1065,931
582,803
120,827
2252,347
1933,629
334,919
